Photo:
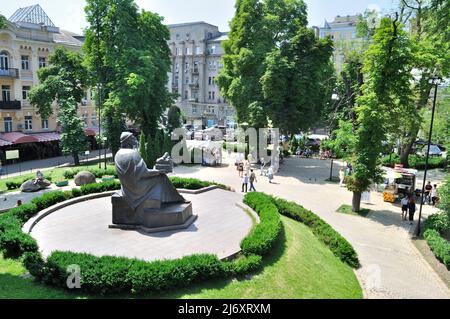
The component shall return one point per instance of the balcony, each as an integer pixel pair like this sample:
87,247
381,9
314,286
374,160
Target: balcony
194,86
10,105
9,73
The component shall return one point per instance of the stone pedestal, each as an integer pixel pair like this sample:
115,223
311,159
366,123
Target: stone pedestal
151,216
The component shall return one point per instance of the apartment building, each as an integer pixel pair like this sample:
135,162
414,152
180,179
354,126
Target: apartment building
25,45
196,61
343,31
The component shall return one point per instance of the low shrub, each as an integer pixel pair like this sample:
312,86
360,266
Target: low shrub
263,236
14,243
11,185
340,247
440,246
48,199
189,183
439,222
415,161
24,212
110,275
76,192
243,265
97,172
100,187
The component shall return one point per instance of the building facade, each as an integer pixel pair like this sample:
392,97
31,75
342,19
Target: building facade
25,45
196,61
343,31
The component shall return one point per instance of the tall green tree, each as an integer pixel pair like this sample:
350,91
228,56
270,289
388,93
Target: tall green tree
73,139
173,118
63,81
386,94
297,84
2,21
128,55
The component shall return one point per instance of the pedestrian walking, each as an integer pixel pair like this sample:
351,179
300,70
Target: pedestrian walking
405,203
270,174
412,209
247,167
341,177
428,189
240,169
253,180
263,163
245,180
434,195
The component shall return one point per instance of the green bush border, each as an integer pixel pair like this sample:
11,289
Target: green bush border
435,226
112,275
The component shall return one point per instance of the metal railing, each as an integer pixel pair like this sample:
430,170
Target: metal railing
10,73
10,105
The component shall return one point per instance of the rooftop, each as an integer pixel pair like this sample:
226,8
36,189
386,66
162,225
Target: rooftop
32,14
342,21
189,24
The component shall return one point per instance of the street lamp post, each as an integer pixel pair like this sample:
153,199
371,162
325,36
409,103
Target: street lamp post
99,125
434,81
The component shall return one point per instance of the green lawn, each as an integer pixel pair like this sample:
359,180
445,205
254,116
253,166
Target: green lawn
299,267
348,210
55,173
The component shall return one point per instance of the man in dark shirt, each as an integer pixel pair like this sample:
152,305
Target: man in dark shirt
428,189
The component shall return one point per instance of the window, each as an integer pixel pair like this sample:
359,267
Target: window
209,95
213,95
42,62
4,61
84,117
194,109
6,93
214,80
94,119
44,124
187,65
177,37
198,50
187,80
179,51
186,95
28,123
25,62
177,67
209,81
25,91
211,109
212,50
188,51
8,124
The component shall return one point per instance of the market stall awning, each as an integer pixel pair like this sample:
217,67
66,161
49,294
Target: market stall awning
18,138
47,137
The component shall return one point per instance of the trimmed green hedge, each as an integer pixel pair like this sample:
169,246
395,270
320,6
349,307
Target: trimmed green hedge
263,236
340,247
439,245
435,226
416,161
97,172
111,275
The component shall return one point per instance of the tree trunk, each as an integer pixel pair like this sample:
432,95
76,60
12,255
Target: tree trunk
406,150
356,202
76,158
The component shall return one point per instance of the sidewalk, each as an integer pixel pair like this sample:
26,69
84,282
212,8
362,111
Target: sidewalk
49,163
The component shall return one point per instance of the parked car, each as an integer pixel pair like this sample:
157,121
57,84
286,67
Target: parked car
213,134
434,151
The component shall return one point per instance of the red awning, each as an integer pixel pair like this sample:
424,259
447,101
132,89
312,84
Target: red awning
18,138
4,143
91,131
47,137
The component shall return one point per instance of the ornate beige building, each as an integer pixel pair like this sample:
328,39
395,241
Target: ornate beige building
196,61
25,45
343,31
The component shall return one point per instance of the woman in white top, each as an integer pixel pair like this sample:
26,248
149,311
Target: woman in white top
434,195
270,174
405,202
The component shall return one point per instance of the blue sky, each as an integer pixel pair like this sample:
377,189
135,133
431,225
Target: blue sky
69,14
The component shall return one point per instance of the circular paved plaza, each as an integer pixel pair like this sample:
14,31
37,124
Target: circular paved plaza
83,227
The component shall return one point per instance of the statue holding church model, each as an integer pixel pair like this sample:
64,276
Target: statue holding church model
147,199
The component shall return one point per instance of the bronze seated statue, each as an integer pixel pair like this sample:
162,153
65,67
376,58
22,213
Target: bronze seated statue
147,199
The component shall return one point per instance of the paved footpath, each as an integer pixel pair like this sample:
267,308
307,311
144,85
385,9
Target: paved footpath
391,265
